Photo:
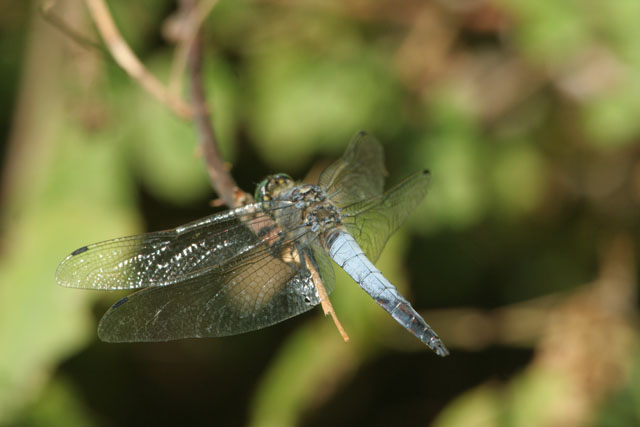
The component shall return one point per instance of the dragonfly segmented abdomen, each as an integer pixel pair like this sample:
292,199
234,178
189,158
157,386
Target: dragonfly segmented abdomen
346,252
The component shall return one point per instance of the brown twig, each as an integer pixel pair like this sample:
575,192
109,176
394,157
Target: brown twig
129,62
189,48
220,178
186,27
46,10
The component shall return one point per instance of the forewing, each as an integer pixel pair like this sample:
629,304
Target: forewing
250,293
161,258
372,221
358,174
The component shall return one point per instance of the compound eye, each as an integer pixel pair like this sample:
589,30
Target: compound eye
277,183
281,180
270,186
260,194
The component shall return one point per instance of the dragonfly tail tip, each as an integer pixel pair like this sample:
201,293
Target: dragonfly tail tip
441,350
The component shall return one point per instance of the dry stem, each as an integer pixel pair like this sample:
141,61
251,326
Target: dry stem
188,27
220,178
189,52
129,62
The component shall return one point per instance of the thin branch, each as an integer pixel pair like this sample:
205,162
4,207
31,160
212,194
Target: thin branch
46,10
129,62
186,28
220,178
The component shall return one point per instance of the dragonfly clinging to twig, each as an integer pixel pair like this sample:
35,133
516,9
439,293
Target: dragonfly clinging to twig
254,266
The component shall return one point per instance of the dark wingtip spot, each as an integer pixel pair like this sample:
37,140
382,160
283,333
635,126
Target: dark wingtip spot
79,251
120,302
426,172
362,133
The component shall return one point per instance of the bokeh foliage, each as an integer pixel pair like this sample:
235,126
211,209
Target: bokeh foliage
523,257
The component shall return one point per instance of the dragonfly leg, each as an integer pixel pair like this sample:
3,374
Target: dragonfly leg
327,307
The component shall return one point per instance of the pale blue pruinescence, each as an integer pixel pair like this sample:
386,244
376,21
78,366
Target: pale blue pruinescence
346,252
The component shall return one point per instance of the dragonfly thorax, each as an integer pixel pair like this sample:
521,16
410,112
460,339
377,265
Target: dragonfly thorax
313,211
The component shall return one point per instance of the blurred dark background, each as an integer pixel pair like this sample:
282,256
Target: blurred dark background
523,256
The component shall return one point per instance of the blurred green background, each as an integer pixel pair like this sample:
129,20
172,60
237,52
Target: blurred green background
523,257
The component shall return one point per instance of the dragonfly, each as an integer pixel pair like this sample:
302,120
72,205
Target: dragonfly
256,265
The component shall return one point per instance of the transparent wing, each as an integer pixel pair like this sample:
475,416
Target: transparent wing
358,174
161,258
325,267
224,300
372,221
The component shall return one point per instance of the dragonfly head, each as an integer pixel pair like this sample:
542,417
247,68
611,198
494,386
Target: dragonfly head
271,186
